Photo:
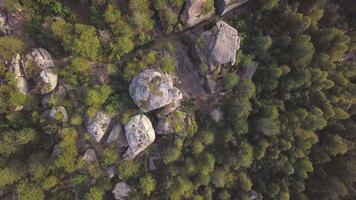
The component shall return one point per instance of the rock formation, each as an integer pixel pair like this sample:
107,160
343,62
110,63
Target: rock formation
4,27
196,11
15,68
151,90
218,46
59,94
39,66
139,134
121,191
59,113
98,126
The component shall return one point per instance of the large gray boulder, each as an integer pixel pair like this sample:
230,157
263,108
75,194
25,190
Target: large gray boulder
139,134
151,90
39,66
218,46
98,126
121,191
195,11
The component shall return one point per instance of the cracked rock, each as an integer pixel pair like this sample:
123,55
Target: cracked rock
139,134
151,90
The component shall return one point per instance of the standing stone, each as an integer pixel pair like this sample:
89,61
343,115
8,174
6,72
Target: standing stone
139,134
151,90
98,126
121,191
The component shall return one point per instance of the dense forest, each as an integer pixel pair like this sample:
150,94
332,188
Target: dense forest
286,133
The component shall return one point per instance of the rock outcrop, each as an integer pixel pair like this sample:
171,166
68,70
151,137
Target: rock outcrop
59,113
121,191
98,126
196,11
39,66
139,134
218,46
4,27
151,90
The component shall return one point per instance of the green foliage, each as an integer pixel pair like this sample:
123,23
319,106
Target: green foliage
9,46
95,193
9,176
168,65
110,155
11,142
230,81
29,192
127,169
147,184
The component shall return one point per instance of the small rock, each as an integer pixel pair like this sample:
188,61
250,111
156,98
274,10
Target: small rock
151,162
59,110
139,134
110,172
151,90
253,195
164,127
98,126
216,114
89,156
121,191
117,135
56,150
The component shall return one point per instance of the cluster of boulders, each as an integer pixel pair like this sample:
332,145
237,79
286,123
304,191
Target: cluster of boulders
218,46
37,66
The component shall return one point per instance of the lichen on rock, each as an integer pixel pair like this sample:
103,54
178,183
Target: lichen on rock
139,134
151,90
98,125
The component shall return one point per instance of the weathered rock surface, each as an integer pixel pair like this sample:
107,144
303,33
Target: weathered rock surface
218,46
89,156
121,191
54,112
98,126
151,90
110,172
117,135
139,134
59,94
194,12
15,67
40,67
4,27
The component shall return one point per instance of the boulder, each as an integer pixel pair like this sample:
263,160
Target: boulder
151,90
59,113
196,11
121,191
56,150
139,134
59,94
151,162
39,66
15,67
89,156
98,125
218,46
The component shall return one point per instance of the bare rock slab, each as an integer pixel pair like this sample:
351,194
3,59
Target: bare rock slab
139,134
